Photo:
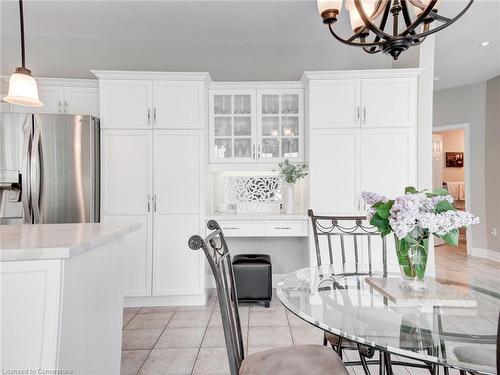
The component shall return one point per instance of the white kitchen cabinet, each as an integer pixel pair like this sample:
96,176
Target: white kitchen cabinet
334,103
388,160
257,125
81,100
367,99
126,104
363,138
334,164
389,102
280,125
127,193
178,105
66,96
154,175
178,212
160,100
232,126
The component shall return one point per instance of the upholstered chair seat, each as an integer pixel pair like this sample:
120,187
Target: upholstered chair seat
294,360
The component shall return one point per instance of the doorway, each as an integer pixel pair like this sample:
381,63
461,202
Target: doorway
450,170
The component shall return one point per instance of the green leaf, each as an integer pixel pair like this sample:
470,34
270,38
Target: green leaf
451,238
384,210
440,192
443,206
385,232
410,190
379,222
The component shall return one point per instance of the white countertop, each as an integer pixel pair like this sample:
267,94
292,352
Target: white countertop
56,241
256,216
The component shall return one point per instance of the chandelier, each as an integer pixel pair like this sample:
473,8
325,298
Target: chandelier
370,22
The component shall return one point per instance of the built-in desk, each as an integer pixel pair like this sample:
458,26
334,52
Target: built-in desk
262,225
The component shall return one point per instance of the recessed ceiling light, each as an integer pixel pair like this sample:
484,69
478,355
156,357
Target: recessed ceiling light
485,43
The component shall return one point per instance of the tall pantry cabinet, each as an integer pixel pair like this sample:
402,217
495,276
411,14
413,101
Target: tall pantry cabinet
362,136
153,157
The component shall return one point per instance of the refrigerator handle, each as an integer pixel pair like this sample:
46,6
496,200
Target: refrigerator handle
26,191
35,174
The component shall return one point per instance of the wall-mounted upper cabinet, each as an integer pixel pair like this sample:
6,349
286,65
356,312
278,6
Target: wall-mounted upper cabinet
67,96
142,100
256,125
367,99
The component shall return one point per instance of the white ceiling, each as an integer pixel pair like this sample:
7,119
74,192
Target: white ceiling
233,40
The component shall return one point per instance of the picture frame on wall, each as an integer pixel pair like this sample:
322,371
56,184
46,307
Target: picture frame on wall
454,160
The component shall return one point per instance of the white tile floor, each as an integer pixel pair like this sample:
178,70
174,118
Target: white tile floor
189,340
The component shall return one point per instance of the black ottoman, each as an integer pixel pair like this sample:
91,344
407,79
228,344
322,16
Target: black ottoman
253,277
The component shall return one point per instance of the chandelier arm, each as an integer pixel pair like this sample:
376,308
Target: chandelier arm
371,50
406,15
383,21
439,28
420,18
417,42
440,18
369,24
370,44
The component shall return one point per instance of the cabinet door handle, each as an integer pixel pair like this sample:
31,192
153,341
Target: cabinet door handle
259,153
60,106
254,151
149,203
149,116
282,228
65,106
154,115
358,115
230,228
154,203
364,115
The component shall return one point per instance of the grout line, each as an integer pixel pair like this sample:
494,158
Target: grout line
203,338
156,342
125,326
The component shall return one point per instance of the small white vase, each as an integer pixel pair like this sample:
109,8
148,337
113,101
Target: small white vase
289,199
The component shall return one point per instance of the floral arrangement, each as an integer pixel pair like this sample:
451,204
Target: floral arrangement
291,173
429,212
412,218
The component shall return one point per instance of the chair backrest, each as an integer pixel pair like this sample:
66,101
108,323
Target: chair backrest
337,230
219,259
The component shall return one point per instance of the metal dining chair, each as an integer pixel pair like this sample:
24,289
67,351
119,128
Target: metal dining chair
339,228
357,232
293,360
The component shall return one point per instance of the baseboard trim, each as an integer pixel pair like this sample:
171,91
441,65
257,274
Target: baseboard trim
191,300
485,253
277,277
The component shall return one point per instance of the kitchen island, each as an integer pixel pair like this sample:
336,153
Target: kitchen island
62,297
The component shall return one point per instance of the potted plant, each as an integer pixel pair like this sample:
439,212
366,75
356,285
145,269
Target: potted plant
413,217
290,173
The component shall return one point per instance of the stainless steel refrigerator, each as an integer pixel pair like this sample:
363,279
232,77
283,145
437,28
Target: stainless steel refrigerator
49,168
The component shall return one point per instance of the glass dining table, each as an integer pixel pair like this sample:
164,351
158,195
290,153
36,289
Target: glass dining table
339,299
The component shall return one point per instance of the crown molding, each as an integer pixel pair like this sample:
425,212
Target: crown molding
256,85
73,82
374,73
167,76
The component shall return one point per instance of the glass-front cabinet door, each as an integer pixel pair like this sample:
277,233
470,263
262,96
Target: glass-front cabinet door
280,120
232,117
254,125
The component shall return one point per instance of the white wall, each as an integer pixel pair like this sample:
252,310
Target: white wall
492,157
468,104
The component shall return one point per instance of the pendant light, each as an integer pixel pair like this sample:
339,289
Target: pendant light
23,89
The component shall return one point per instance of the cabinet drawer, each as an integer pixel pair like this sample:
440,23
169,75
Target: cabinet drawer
251,228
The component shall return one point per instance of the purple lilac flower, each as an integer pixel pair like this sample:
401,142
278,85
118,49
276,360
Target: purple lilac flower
431,203
447,221
405,213
372,198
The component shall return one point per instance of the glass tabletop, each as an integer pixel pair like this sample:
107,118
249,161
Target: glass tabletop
338,299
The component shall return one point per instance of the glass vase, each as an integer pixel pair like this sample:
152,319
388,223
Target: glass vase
412,257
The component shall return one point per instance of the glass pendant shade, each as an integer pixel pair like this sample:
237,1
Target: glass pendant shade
23,89
324,5
355,18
